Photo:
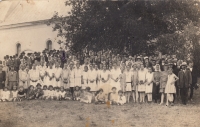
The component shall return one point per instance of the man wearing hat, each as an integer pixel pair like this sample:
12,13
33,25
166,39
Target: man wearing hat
184,82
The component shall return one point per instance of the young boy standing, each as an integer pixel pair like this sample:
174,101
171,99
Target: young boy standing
12,78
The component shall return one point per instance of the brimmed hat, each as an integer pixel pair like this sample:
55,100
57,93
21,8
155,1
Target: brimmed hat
146,57
138,57
184,64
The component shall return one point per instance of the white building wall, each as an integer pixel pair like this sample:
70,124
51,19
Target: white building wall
31,38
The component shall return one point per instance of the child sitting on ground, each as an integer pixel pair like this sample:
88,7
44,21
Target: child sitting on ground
100,97
121,98
38,91
57,93
68,95
14,93
31,93
45,91
86,96
62,93
77,93
5,94
113,96
51,93
21,95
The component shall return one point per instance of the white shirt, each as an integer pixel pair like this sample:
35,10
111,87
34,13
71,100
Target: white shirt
78,73
34,74
6,95
14,93
121,99
58,72
62,93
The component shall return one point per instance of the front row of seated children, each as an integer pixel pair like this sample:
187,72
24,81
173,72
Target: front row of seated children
57,93
114,97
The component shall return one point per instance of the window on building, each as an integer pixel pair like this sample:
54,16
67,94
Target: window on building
18,46
49,45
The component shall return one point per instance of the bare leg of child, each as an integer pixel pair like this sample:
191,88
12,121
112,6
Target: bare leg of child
167,102
133,94
162,98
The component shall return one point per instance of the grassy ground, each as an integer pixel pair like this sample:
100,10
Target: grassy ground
74,114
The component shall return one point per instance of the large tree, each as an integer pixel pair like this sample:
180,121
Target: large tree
141,26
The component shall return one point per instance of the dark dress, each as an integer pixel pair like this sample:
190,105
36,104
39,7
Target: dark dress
2,78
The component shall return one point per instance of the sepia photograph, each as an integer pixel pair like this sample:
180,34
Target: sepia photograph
99,63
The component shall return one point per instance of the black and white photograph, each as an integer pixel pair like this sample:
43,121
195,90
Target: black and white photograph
99,63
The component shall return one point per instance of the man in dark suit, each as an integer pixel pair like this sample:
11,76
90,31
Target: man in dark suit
184,82
193,71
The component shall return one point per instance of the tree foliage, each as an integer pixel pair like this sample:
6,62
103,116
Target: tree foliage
140,26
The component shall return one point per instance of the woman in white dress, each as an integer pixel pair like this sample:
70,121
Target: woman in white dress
65,76
78,75
115,72
105,81
170,88
71,78
129,79
149,84
141,82
84,80
57,75
92,78
42,70
50,77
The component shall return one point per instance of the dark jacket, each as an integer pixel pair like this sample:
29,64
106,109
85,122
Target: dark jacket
185,78
2,79
194,75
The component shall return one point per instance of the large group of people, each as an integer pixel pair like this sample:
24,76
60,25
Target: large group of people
96,77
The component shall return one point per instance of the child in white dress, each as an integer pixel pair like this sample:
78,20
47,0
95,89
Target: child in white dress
121,98
14,93
129,79
62,93
141,82
5,94
84,80
149,84
170,88
45,90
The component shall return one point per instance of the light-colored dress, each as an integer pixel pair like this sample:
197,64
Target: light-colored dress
34,75
71,78
85,79
141,78
163,81
92,75
115,75
50,74
149,78
57,74
65,77
135,79
104,75
128,81
78,74
23,75
170,88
